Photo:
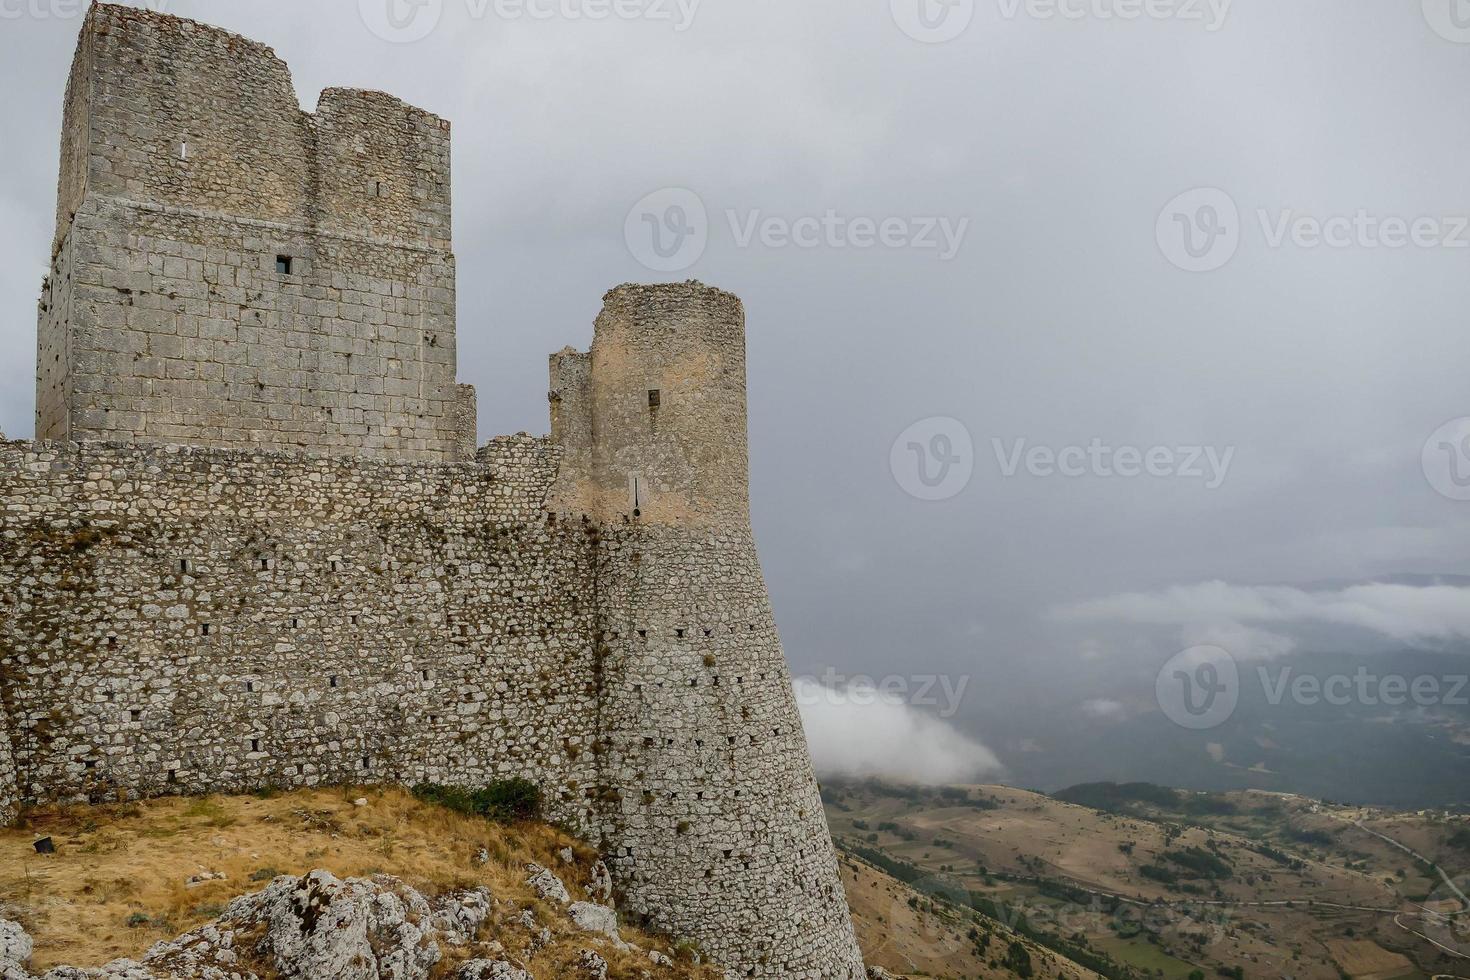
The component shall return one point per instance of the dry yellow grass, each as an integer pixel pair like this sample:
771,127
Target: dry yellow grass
1363,960
119,880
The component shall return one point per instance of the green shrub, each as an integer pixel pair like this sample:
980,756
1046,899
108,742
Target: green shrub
503,801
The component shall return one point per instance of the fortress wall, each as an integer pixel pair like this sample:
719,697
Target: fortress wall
182,330
9,793
712,822
187,169
76,141
55,315
718,831
196,621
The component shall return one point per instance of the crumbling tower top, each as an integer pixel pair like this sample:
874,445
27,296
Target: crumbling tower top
230,270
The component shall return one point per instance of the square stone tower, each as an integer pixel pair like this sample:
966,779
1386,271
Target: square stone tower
231,271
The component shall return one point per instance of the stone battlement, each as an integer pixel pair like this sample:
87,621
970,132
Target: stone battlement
256,544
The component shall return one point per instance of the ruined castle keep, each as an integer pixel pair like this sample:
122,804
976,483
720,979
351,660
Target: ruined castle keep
257,543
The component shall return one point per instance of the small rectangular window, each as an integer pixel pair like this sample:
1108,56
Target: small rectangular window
183,151
283,264
655,398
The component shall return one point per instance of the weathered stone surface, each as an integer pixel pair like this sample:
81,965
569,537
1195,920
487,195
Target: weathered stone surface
599,883
491,970
596,918
232,271
591,966
311,927
548,885
286,569
15,948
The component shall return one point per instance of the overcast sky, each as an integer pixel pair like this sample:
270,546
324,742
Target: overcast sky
1059,306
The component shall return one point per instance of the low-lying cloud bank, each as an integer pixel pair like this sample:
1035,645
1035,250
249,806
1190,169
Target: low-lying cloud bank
859,732
1405,613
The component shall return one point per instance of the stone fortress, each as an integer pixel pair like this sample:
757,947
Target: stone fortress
256,542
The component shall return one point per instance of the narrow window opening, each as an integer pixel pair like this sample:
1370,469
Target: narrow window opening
255,745
204,629
173,776
367,763
332,681
378,188
283,264
265,564
249,687
135,715
184,150
655,399
184,565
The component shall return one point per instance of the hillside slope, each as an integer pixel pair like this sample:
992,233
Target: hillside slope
1149,881
126,877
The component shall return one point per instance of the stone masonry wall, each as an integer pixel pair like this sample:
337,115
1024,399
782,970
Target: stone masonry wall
9,792
196,620
232,271
718,830
715,829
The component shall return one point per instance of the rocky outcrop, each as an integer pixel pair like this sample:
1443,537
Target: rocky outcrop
319,926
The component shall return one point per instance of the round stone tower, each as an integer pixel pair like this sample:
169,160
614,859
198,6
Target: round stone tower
707,802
